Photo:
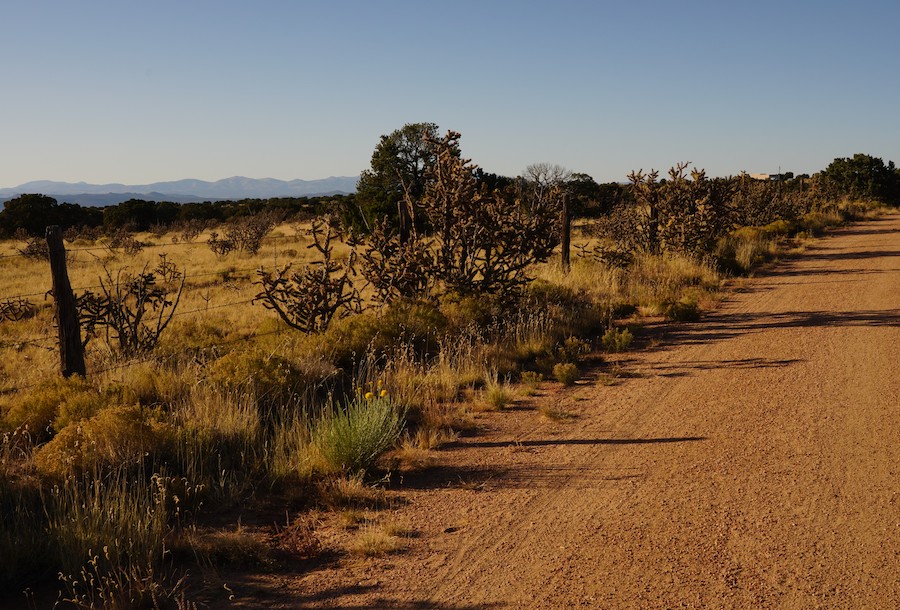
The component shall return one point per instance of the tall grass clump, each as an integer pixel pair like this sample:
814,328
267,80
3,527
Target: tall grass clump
220,442
497,393
350,438
655,281
745,249
108,533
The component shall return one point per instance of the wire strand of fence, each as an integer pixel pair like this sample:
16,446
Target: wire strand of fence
188,277
148,358
211,307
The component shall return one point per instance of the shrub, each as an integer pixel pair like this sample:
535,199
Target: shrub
352,437
531,380
572,349
684,310
310,299
416,325
113,437
566,373
273,381
133,309
50,406
616,340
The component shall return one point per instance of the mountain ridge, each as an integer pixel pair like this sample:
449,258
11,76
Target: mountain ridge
186,190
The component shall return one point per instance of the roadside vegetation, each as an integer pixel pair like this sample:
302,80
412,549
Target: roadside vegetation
294,355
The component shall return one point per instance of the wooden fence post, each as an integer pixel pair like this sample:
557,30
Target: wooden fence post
71,352
565,236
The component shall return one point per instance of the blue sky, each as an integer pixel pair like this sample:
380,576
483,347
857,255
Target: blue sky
141,92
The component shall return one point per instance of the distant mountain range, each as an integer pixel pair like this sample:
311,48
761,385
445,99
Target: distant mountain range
183,191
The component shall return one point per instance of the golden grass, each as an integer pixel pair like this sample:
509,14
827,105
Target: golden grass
377,540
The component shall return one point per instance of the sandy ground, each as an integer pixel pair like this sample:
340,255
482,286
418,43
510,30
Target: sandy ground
749,460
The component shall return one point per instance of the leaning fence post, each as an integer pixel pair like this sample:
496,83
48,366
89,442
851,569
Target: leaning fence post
71,352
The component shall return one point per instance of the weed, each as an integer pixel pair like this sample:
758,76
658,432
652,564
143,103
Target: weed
377,541
350,491
553,414
531,380
617,340
684,310
566,373
497,394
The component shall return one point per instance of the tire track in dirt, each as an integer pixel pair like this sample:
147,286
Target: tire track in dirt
750,462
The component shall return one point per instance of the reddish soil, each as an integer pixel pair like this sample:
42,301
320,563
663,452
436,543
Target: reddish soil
749,460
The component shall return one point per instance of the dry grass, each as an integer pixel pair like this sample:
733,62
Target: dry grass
377,540
554,414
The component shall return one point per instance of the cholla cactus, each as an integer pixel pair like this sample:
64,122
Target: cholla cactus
308,300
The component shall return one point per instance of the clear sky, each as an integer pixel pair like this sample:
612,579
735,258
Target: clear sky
138,92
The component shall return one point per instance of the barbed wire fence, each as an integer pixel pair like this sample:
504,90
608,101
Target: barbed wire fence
50,342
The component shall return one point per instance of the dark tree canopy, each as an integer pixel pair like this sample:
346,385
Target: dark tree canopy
862,177
397,174
34,213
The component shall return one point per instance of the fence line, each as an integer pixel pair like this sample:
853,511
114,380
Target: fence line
149,358
187,276
271,238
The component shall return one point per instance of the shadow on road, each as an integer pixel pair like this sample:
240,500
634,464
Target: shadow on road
586,441
344,596
720,326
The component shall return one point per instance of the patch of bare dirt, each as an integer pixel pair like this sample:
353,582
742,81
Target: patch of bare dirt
749,460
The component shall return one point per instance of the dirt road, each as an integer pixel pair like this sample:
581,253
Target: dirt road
749,461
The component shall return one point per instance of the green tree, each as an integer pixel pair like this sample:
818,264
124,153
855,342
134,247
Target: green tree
861,177
397,177
31,212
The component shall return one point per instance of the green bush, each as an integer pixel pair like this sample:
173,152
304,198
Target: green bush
616,340
351,438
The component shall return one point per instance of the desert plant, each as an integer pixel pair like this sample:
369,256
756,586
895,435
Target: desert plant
566,373
684,310
310,299
109,535
49,406
16,309
350,438
485,240
114,437
377,540
497,392
532,381
243,234
395,269
124,240
681,214
132,309
617,340
36,248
